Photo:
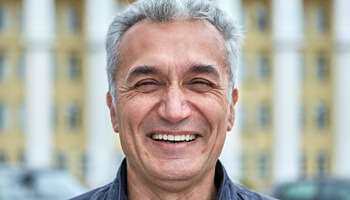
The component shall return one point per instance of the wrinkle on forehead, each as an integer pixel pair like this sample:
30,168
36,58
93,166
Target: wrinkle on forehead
174,45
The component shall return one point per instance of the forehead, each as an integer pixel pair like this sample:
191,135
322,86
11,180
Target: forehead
171,43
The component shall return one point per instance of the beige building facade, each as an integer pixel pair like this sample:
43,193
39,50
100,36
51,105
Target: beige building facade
293,80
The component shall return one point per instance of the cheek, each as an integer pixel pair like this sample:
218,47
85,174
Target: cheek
216,116
214,109
133,111
131,114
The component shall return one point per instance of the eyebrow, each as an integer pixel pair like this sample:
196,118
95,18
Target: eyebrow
142,70
204,69
195,68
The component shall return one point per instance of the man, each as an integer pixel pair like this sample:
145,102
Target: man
171,97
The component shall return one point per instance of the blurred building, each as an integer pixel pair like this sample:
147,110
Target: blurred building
293,91
292,116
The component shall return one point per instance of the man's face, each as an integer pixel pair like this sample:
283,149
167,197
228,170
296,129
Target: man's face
172,99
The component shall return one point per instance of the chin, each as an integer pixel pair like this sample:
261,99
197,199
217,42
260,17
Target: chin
177,170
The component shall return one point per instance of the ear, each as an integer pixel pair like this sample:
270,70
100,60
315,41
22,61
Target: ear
231,119
112,112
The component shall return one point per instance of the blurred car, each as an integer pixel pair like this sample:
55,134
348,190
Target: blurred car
314,189
25,184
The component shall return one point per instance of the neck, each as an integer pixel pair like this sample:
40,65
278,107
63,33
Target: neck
141,188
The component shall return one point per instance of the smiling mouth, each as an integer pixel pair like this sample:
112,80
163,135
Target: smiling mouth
173,138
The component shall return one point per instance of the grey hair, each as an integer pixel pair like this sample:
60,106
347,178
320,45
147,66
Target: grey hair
171,10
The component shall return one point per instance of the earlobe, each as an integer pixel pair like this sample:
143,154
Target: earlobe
112,112
231,119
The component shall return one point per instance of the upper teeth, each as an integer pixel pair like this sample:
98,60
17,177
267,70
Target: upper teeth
173,137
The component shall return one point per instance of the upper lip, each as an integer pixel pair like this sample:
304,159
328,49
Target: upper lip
174,133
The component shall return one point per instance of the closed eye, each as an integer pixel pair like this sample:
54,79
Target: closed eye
200,85
201,82
147,86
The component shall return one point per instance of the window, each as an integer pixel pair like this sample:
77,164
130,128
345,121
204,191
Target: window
84,164
61,161
3,18
263,68
262,165
3,158
302,165
321,118
322,68
263,115
22,112
320,19
74,69
21,67
321,164
74,116
261,17
73,19
3,66
3,116
20,18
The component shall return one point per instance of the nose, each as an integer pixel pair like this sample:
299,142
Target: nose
174,106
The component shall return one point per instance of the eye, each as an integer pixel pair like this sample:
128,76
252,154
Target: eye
147,86
200,85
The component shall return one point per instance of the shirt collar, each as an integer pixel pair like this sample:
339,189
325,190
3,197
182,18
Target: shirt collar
118,188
